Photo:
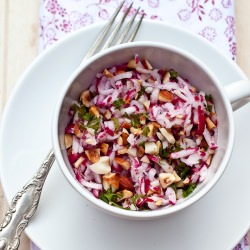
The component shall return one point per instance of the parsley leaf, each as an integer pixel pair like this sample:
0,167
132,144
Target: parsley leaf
173,75
183,170
110,198
209,97
116,123
118,103
188,190
145,131
141,92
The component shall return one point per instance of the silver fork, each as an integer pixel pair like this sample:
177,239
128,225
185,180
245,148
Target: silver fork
25,202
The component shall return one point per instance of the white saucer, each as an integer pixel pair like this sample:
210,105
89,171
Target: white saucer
64,220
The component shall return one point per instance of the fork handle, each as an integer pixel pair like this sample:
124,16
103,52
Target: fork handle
23,207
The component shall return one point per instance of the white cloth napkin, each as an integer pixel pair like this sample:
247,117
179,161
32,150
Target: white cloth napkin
212,19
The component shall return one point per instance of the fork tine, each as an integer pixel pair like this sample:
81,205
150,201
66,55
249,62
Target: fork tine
133,34
127,28
103,33
116,29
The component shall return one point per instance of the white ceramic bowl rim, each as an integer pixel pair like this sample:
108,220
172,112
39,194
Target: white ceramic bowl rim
152,213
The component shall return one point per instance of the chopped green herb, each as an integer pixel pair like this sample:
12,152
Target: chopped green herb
164,153
209,97
116,123
93,122
209,108
81,109
173,75
141,92
118,103
135,120
183,170
110,198
145,131
188,190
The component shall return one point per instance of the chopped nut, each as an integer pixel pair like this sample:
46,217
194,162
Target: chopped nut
158,144
166,77
135,131
151,148
168,135
145,159
124,194
104,148
107,73
151,130
210,124
140,151
86,98
209,160
93,154
186,181
166,179
126,125
111,180
120,141
156,125
122,162
165,96
94,111
142,119
150,192
146,104
122,151
125,183
147,64
91,131
107,114
132,152
132,64
158,203
77,131
102,166
124,138
177,177
68,139
78,162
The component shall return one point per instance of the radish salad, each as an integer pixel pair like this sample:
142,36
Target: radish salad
141,138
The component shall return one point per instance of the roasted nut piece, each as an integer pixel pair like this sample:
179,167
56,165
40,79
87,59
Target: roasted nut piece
122,162
166,77
107,73
166,179
124,138
104,148
68,139
124,194
78,162
158,203
122,151
151,130
86,98
135,131
145,159
140,151
151,148
132,64
165,96
77,131
107,114
94,111
147,64
168,135
102,166
146,104
93,154
110,180
132,152
125,183
210,124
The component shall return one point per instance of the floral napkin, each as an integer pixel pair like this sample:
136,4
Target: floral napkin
212,19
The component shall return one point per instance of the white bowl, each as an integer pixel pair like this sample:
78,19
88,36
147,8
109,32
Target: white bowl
160,55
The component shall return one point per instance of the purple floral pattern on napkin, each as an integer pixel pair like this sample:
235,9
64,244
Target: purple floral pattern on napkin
211,19
214,20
